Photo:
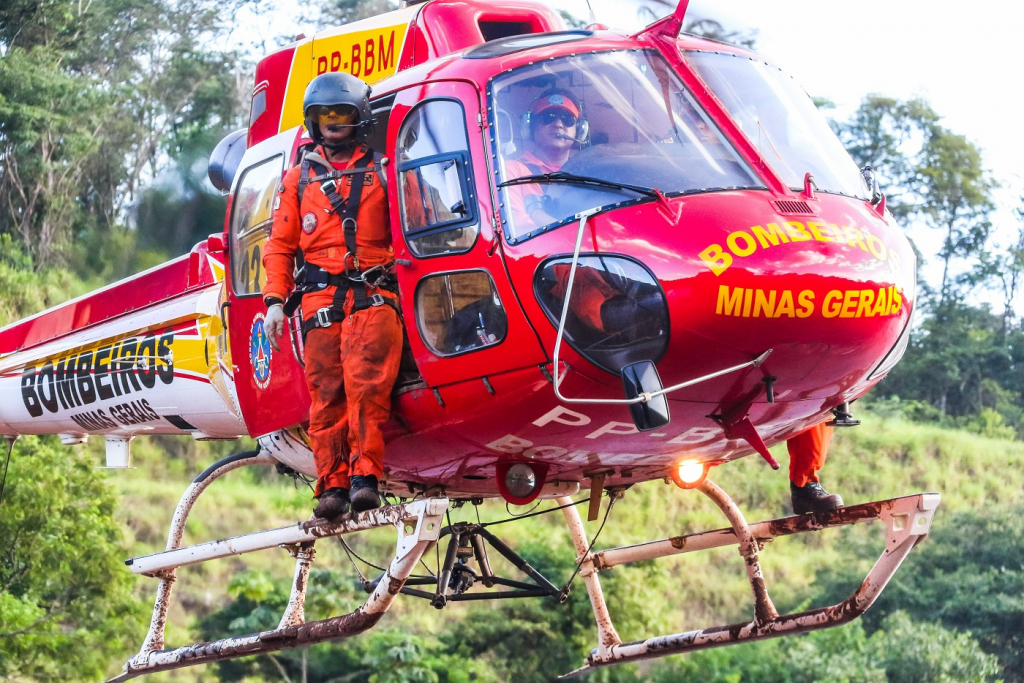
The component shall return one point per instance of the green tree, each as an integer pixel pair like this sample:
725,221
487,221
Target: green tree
968,576
50,125
887,134
1001,271
380,656
540,639
66,609
956,197
956,361
901,650
96,99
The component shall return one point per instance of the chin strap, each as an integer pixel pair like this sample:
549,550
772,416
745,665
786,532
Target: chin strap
341,146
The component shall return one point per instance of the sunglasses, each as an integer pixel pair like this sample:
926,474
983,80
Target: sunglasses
548,117
336,115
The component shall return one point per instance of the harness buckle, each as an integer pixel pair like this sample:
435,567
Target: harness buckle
377,300
353,272
323,317
380,273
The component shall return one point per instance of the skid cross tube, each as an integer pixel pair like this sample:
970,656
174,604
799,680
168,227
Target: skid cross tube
907,519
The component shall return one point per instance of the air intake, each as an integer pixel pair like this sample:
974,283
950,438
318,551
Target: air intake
794,207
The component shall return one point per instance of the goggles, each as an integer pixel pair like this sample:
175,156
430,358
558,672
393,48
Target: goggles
546,118
337,114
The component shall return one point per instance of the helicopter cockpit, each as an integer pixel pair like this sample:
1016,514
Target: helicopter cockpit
640,128
780,119
637,123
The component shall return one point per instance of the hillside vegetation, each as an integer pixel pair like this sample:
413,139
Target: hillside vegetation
979,478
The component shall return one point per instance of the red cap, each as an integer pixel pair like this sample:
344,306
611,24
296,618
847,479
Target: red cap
555,101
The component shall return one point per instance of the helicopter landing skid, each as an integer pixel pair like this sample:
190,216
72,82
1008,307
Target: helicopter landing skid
907,520
418,525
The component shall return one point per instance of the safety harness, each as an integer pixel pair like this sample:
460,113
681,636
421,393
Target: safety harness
312,278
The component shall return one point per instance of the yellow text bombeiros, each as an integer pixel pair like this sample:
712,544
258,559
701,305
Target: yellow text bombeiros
743,243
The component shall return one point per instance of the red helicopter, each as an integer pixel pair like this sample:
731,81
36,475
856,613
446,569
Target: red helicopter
748,281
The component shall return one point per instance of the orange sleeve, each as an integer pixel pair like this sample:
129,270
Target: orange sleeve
279,251
590,292
517,195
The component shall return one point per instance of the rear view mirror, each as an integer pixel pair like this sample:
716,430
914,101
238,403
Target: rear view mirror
225,160
642,378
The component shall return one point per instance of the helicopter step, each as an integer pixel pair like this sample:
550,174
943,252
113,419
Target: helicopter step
418,525
907,521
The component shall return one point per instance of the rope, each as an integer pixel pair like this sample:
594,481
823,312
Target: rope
534,514
7,467
509,511
351,553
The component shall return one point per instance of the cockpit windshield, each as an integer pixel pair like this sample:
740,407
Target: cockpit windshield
597,130
780,119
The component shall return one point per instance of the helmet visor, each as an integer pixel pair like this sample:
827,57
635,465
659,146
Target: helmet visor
333,114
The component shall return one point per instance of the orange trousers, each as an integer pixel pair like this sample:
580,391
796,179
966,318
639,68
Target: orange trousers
351,368
807,453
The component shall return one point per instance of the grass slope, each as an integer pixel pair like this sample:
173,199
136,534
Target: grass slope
882,459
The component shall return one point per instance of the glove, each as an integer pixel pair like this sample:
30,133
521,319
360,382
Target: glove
274,325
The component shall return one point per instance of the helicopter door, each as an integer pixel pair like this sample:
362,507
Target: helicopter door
270,385
461,313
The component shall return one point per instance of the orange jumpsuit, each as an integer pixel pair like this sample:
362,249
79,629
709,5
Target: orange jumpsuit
517,194
807,453
351,366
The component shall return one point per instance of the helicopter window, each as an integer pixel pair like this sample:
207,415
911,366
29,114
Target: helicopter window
780,119
617,312
624,116
251,217
500,46
459,312
381,108
438,205
258,106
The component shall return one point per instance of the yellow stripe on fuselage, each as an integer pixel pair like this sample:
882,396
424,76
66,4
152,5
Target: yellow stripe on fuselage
369,50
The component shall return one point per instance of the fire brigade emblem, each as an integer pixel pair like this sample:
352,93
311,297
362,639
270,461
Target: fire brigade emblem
309,222
259,353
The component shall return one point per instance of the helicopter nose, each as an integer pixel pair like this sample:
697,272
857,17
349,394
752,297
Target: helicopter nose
688,291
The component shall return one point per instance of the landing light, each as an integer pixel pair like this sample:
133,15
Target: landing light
689,474
520,480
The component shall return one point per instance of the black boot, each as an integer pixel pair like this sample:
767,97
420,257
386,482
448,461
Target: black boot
364,493
333,504
813,498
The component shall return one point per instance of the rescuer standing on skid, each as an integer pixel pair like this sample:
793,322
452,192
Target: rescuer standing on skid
807,453
333,207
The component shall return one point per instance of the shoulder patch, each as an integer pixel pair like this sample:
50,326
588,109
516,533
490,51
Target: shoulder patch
309,223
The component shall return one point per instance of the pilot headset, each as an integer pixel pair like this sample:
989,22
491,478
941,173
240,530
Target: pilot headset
556,97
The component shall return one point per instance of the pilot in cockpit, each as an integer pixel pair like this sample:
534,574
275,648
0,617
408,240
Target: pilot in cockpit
551,127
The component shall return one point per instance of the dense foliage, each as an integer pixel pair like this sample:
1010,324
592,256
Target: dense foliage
66,608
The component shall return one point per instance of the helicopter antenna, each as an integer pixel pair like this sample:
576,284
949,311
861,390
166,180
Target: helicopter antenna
593,17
